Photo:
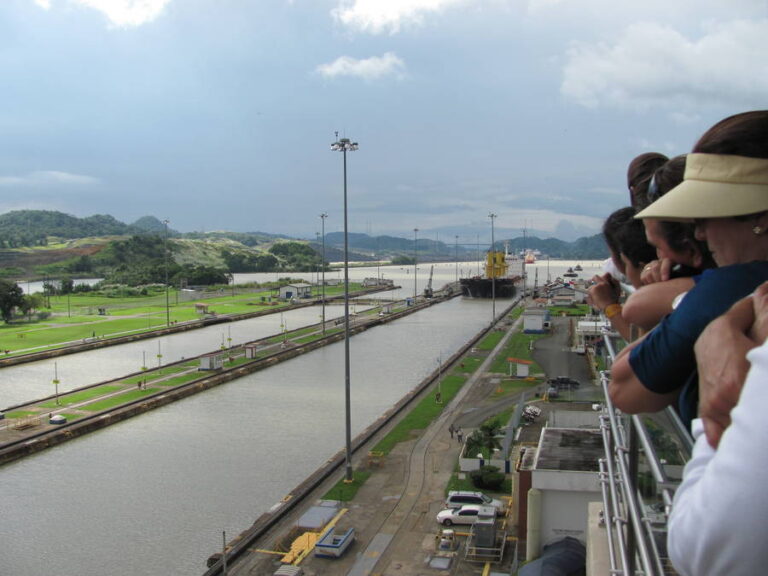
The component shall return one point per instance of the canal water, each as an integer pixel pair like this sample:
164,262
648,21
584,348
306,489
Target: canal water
25,382
153,494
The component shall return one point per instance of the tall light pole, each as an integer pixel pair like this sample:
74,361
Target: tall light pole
415,262
478,254
323,216
456,258
344,145
317,271
165,250
492,216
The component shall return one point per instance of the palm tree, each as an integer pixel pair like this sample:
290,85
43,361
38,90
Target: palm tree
484,438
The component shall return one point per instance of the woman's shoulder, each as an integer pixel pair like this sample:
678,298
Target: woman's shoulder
747,272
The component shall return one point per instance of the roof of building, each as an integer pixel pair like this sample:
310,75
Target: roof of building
570,449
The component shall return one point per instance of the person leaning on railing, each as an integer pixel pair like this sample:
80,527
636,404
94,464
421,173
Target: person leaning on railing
725,192
630,251
679,255
719,519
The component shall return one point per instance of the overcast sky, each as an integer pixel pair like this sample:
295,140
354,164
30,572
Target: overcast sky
219,114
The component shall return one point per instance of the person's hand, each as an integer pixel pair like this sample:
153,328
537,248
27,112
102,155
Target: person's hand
759,331
721,358
657,271
605,291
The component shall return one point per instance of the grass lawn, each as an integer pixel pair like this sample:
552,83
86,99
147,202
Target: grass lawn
573,310
82,396
118,400
21,414
175,381
76,317
489,342
422,415
518,346
344,492
469,364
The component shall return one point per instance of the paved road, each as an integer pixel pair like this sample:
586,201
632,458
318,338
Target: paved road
556,359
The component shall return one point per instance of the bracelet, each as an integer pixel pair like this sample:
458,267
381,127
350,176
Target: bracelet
611,310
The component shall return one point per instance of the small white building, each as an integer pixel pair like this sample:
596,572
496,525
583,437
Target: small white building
564,479
369,282
298,290
590,329
251,351
535,320
212,362
563,296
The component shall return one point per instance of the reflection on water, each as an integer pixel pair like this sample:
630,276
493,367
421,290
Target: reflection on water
152,495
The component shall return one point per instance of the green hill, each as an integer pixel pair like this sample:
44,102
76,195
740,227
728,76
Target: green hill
40,243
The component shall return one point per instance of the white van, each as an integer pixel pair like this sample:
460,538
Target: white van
458,498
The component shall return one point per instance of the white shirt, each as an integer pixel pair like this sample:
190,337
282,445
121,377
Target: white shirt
719,520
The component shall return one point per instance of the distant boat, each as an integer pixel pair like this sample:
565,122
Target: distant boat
530,257
578,268
570,273
495,283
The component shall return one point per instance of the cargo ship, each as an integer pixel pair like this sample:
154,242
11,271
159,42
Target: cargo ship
494,283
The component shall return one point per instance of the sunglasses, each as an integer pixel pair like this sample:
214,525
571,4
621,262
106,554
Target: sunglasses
653,193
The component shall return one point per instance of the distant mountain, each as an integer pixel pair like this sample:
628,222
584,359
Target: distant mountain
587,248
37,228
384,247
150,224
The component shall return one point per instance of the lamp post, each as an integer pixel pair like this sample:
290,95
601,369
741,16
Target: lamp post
56,382
323,216
492,216
478,254
456,258
317,271
344,145
415,259
165,250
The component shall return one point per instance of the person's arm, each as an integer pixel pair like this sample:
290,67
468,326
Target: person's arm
720,513
649,304
721,358
604,295
626,390
722,364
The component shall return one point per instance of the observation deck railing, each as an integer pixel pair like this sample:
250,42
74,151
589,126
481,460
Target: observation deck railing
644,458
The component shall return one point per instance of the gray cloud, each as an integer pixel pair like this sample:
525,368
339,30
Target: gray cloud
47,178
654,65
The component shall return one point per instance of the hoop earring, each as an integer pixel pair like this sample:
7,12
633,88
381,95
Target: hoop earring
757,230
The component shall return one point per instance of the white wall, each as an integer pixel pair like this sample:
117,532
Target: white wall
565,513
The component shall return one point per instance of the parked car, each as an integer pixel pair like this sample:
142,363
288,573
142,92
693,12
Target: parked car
565,382
459,498
465,515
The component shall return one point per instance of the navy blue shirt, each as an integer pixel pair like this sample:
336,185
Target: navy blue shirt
665,361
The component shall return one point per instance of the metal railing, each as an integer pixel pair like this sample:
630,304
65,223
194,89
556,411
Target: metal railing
643,462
